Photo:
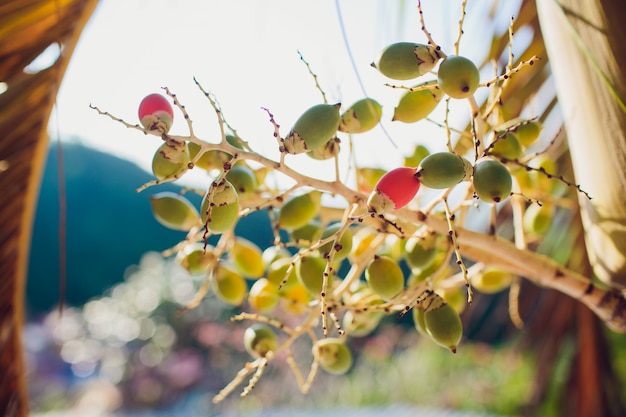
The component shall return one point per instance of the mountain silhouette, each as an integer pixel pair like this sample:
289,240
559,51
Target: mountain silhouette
109,226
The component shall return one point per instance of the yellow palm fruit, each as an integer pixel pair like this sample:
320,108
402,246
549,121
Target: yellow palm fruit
416,105
299,210
229,285
247,257
174,211
333,355
170,160
362,116
263,295
259,339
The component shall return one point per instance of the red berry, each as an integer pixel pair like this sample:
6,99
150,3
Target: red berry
156,113
394,190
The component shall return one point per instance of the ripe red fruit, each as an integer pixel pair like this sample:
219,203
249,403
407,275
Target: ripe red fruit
156,113
394,190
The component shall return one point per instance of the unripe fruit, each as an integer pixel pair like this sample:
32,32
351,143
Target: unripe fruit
394,190
458,77
416,105
299,210
235,141
195,258
310,273
222,212
243,179
368,177
174,211
538,219
384,277
421,252
247,258
492,280
314,127
527,133
456,297
308,233
333,355
170,159
362,116
295,298
156,114
343,246
259,339
229,285
508,147
406,60
418,320
209,160
277,270
539,180
263,295
328,150
273,253
444,326
419,153
443,170
362,323
492,180
363,239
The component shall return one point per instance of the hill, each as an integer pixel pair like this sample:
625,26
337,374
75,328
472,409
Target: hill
109,226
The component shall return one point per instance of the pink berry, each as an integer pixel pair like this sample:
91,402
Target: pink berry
394,190
156,113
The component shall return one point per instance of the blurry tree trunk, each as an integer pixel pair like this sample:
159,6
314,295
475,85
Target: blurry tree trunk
586,45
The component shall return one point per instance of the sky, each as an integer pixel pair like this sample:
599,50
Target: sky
246,53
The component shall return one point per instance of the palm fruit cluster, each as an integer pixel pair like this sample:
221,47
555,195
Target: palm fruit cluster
347,267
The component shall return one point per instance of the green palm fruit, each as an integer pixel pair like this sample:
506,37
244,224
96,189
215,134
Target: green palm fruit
308,233
508,147
343,247
299,210
416,105
527,132
277,272
263,295
406,60
385,277
458,77
455,296
443,170
235,141
259,339
195,258
314,127
328,150
541,181
492,280
247,257
209,160
222,212
243,179
174,211
273,253
492,180
421,252
362,116
418,320
538,219
310,273
333,355
360,323
419,153
170,160
229,285
443,325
